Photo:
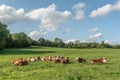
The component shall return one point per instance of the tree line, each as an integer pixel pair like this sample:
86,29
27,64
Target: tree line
19,40
16,40
59,43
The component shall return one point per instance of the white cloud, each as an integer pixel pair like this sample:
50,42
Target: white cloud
93,38
79,11
107,42
101,11
34,35
79,15
93,30
116,6
37,34
79,6
112,42
50,18
10,15
106,9
73,41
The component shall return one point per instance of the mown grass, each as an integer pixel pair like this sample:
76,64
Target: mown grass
48,71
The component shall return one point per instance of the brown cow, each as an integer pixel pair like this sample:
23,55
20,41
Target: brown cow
80,60
20,62
100,60
65,60
56,60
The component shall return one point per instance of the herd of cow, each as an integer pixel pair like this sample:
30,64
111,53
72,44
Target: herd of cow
56,59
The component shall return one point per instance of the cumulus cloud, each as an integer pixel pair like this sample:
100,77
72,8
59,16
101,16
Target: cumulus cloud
112,42
116,6
37,34
79,15
107,42
93,30
34,35
93,38
73,41
10,15
101,11
79,11
79,6
50,18
106,9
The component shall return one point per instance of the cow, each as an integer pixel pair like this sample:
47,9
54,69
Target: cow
80,60
37,58
100,60
20,62
45,58
31,59
56,59
65,60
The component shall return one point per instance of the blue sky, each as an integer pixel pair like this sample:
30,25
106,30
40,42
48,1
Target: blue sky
84,20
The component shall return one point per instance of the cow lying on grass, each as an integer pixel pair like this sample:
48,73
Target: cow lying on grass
20,62
65,60
100,60
30,59
62,60
80,60
46,58
56,59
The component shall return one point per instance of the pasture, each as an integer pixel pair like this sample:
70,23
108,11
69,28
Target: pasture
40,70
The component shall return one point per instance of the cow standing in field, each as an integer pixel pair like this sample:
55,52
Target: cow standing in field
100,60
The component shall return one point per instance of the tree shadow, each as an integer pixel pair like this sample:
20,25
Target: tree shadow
26,51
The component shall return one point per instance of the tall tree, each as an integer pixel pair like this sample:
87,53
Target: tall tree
21,40
41,41
3,35
58,42
9,41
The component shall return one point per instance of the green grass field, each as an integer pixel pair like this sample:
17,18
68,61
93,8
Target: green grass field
40,70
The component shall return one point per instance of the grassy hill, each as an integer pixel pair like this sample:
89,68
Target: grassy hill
40,70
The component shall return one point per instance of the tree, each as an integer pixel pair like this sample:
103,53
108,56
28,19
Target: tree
48,43
102,45
116,46
41,41
21,40
35,43
24,39
16,41
9,41
3,35
58,42
93,45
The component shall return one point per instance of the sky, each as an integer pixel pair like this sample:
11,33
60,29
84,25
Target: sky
69,20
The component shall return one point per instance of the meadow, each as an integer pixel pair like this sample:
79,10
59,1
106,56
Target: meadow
40,70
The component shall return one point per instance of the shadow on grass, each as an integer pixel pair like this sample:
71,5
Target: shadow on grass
25,51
